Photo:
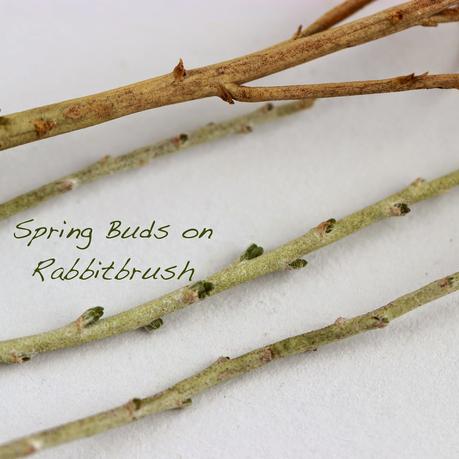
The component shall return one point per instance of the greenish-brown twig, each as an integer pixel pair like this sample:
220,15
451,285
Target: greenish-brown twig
224,369
142,156
249,267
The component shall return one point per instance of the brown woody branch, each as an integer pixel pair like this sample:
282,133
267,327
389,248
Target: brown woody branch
448,15
352,88
332,17
30,125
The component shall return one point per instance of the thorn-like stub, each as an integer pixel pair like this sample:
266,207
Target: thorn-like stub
225,95
411,78
252,251
154,325
399,209
326,227
297,264
298,32
89,317
179,71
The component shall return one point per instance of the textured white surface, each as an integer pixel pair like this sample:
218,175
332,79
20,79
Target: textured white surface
391,393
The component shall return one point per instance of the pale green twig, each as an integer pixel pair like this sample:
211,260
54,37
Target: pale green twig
142,156
224,369
247,268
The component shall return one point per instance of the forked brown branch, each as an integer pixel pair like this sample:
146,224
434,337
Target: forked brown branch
183,85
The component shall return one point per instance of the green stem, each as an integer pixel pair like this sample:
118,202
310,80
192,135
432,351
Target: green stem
284,257
224,369
142,156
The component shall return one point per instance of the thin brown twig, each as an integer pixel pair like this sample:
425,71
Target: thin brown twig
184,85
332,17
349,88
448,15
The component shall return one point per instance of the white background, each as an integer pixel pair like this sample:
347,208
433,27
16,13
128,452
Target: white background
384,394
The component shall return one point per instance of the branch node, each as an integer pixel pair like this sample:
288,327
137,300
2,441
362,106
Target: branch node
225,94
252,251
266,355
179,71
21,357
154,325
380,321
246,129
326,227
133,406
418,182
68,184
181,404
399,209
396,17
34,445
340,321
446,282
197,291
181,139
89,317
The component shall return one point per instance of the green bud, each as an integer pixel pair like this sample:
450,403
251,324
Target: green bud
298,263
154,325
202,288
252,251
91,316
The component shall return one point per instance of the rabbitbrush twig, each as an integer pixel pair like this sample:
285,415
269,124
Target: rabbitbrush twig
350,88
249,267
142,156
214,80
224,369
